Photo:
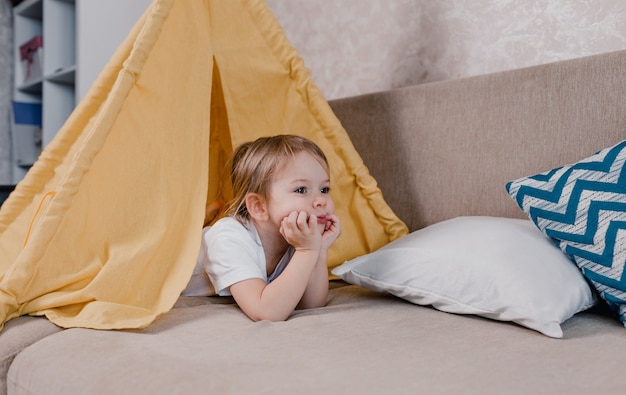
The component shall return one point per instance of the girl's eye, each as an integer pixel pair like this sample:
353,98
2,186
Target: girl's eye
325,190
301,190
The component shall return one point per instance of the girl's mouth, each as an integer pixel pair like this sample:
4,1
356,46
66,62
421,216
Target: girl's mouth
322,220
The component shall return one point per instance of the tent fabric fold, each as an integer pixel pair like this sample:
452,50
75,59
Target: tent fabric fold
104,230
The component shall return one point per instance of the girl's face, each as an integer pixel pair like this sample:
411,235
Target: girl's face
302,185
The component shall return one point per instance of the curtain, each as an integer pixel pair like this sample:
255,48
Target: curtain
6,87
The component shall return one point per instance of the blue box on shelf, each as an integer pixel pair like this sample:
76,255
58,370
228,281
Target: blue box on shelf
26,132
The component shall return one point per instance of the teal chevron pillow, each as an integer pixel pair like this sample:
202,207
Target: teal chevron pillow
583,208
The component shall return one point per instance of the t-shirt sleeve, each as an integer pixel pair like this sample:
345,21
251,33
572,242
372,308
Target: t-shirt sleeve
233,256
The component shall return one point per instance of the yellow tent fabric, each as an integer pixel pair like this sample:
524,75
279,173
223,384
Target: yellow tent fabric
104,230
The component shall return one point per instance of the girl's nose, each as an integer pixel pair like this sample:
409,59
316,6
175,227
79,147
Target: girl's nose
320,200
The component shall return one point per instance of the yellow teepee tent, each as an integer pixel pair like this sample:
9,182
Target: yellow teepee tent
104,230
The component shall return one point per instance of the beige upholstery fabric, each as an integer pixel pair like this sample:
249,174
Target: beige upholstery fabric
446,149
362,342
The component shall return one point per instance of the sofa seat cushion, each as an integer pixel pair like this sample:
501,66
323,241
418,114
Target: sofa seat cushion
362,342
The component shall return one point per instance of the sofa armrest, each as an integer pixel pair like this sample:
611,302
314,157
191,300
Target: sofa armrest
18,334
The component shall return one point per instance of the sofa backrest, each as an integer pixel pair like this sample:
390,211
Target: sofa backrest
446,149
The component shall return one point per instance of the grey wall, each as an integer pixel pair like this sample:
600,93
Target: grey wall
360,46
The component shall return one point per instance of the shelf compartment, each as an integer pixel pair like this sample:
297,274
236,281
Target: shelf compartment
31,87
59,37
63,75
59,101
30,9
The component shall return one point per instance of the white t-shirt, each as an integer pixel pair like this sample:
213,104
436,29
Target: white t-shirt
230,252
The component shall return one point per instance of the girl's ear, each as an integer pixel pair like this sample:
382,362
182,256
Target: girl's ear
257,207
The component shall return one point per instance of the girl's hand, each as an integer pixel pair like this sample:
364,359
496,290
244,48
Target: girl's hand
331,231
301,231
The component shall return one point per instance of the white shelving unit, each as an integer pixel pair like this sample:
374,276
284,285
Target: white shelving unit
55,20
79,37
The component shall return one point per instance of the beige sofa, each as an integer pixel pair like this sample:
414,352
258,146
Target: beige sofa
439,151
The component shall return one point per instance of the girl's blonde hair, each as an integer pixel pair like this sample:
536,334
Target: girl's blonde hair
255,163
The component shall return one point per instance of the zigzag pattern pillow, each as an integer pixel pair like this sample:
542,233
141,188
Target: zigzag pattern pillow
583,208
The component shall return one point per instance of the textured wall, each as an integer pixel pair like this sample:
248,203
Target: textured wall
360,46
6,77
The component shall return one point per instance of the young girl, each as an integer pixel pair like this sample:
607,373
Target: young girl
270,251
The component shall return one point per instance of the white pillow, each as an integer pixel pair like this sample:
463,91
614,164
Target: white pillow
499,268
